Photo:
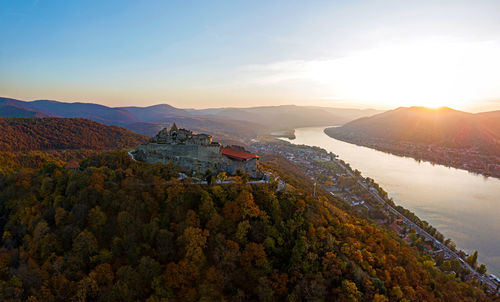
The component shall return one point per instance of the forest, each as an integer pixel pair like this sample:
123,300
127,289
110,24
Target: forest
120,230
29,134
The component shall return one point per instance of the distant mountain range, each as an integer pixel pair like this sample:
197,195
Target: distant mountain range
452,137
30,134
224,123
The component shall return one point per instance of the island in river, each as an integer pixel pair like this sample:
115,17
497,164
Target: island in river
290,134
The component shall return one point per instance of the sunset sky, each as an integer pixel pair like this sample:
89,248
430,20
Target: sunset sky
363,54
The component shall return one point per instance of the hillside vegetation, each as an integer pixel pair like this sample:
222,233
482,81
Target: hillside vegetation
225,124
120,230
28,134
446,136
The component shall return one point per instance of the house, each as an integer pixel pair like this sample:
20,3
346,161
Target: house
398,220
396,228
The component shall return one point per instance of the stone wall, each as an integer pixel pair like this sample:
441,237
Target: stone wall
249,166
189,156
194,152
194,157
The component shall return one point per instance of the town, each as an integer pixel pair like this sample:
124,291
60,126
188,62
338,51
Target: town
366,199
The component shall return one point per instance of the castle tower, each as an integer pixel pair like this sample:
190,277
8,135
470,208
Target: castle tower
174,128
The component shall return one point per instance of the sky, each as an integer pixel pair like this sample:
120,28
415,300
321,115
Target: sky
201,54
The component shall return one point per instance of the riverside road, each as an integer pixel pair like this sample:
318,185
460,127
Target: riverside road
451,254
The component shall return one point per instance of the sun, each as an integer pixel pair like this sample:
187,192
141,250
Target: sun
424,73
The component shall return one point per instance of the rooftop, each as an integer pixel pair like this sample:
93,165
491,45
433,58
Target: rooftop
238,154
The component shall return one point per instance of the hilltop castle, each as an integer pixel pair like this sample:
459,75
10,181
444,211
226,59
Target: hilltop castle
196,152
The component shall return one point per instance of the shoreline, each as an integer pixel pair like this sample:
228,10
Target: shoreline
323,142
405,154
290,134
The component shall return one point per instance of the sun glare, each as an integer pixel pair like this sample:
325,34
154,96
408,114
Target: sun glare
431,74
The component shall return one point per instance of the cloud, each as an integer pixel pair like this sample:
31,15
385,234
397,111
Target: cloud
436,72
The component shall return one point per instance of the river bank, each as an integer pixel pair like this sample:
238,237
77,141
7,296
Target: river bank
290,134
468,159
461,205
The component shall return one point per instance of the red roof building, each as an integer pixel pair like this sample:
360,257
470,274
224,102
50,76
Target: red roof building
238,155
396,227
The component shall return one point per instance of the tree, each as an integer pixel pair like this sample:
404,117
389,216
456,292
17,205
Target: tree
103,274
96,219
380,298
472,260
221,177
254,257
482,269
241,231
231,211
350,291
148,269
207,207
60,216
84,246
455,265
209,177
247,205
396,293
195,240
244,176
446,266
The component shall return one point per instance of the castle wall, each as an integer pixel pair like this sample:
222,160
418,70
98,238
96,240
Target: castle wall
231,166
194,152
197,158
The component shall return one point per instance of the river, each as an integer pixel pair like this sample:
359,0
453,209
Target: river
463,206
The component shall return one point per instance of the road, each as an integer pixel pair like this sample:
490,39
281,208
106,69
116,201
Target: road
131,155
419,230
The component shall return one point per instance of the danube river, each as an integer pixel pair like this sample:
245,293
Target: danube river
462,206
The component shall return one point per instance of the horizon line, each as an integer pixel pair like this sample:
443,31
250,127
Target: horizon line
247,107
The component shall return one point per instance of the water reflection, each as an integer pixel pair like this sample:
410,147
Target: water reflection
461,205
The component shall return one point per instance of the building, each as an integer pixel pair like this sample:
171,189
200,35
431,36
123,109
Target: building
396,228
197,153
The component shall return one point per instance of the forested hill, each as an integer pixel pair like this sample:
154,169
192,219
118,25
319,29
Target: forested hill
446,136
119,230
28,134
227,125
440,127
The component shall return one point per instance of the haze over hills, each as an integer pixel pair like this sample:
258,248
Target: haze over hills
15,108
243,123
288,116
447,136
